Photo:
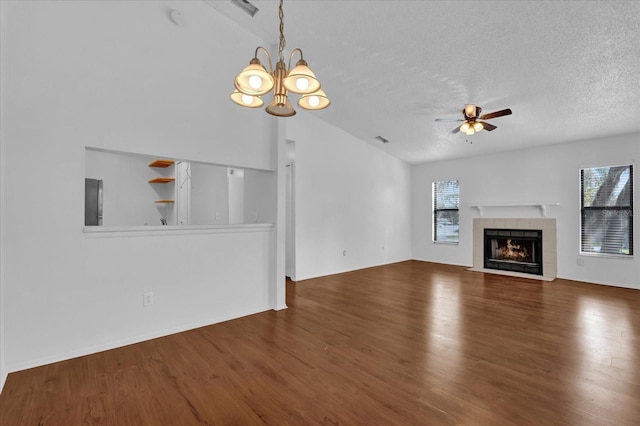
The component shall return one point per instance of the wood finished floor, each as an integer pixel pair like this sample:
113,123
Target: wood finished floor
408,343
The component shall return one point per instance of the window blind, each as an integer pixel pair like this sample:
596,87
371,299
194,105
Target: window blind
446,201
607,210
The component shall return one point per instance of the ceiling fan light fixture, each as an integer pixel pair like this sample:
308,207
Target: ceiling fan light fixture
255,81
473,113
470,110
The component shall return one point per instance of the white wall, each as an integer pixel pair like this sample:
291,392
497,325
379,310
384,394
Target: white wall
348,196
259,203
119,76
209,194
546,174
235,178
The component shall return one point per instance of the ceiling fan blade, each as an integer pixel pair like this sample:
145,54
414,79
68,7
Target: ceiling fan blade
488,127
449,120
456,130
496,114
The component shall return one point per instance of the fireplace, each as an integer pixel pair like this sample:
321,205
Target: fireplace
516,250
547,255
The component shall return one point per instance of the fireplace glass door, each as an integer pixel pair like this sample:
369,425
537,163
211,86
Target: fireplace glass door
513,250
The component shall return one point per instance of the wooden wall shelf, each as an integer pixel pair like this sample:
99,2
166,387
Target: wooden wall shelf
162,163
162,180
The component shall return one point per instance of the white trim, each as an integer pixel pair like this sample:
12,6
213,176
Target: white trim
3,136
150,231
541,206
615,164
433,212
634,212
129,341
155,156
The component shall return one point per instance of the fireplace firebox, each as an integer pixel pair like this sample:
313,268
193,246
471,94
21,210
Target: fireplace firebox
517,250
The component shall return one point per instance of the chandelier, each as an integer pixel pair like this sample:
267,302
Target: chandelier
254,81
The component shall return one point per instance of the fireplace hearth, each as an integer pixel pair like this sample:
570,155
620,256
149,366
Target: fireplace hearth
516,250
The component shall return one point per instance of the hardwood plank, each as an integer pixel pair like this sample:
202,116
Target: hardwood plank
408,343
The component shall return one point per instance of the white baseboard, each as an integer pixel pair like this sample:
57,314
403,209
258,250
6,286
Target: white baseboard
3,379
123,342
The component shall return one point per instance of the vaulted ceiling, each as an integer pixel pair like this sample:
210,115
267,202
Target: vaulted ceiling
569,70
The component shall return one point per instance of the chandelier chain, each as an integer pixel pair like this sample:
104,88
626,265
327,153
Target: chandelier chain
282,40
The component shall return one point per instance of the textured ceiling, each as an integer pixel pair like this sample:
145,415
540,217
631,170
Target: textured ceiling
569,70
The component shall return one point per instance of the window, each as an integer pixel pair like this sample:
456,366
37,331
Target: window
607,210
446,200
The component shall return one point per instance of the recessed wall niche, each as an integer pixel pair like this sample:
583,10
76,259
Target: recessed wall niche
139,190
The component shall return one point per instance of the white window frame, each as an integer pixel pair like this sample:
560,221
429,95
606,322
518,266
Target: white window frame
435,210
607,211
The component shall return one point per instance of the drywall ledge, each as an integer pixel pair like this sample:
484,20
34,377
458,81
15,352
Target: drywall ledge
147,231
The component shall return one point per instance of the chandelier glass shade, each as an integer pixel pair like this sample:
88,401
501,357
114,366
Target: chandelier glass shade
255,81
315,100
248,101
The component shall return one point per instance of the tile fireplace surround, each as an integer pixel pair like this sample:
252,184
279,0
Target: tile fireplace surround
549,244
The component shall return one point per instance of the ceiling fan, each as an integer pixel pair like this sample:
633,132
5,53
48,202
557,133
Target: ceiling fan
471,115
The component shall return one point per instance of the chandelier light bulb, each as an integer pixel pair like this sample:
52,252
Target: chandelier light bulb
247,99
314,101
302,84
470,131
301,79
465,127
255,82
477,126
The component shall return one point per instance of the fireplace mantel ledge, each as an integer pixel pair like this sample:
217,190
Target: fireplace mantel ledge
541,206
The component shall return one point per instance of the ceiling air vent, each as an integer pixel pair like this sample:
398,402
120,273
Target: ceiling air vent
246,6
381,139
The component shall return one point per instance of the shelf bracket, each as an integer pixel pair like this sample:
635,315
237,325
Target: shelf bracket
543,210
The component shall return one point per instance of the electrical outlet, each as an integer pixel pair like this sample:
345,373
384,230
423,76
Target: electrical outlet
147,299
218,216
580,261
